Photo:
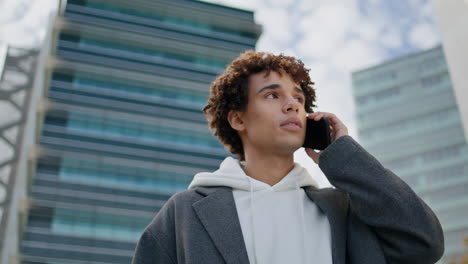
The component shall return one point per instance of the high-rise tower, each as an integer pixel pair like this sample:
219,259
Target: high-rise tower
408,117
121,127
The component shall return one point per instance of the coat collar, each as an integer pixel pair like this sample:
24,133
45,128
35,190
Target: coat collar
334,203
218,214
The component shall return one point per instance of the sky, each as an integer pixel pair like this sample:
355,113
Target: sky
332,37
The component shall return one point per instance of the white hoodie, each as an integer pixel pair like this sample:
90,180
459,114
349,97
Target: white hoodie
280,224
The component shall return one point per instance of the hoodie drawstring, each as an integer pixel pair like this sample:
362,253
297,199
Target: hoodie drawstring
252,210
301,208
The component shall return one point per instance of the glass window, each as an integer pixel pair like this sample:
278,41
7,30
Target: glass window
434,80
123,49
162,17
400,163
454,215
93,172
97,225
126,128
158,92
454,193
384,94
447,173
448,152
431,63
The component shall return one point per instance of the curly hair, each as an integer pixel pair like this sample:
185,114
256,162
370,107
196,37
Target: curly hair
230,91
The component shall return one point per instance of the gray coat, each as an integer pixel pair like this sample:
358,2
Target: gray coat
374,217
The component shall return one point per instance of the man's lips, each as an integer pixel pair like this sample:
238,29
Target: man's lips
292,123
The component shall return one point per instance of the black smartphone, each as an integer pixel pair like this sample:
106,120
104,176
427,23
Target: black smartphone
317,134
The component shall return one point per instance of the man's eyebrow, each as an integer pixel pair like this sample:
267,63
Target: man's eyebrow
277,86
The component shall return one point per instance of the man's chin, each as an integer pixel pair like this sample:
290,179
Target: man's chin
291,146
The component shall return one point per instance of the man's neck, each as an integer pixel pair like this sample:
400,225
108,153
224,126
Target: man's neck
268,169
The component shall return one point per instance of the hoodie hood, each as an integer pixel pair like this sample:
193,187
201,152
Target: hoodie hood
231,174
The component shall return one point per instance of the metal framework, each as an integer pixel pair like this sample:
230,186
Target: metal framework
16,82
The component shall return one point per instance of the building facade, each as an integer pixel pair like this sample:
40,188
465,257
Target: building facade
408,117
120,127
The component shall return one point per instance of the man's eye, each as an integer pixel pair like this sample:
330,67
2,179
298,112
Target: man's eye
300,99
272,96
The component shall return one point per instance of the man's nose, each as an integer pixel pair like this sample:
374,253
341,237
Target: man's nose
291,105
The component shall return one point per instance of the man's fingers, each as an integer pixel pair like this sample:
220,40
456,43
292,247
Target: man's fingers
334,120
313,154
337,127
316,116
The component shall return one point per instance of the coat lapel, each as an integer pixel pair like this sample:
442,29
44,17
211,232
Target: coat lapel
218,214
335,205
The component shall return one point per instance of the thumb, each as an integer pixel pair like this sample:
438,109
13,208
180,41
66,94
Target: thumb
313,154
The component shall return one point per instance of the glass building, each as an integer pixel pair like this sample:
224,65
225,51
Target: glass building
120,127
409,119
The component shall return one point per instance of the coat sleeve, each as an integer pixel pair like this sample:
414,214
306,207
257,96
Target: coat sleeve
157,243
407,229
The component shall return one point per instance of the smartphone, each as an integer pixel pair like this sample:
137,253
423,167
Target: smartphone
317,134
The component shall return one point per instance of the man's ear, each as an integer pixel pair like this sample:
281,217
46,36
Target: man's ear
235,120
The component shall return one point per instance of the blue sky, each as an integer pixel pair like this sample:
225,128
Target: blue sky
332,37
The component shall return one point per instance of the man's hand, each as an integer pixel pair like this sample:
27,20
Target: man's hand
337,130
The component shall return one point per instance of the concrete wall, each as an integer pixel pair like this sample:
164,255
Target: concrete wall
452,20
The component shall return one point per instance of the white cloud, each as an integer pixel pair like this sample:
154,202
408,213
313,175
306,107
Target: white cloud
277,4
391,39
355,54
308,7
291,52
427,10
13,10
276,23
367,30
325,29
318,73
375,2
27,26
423,36
242,4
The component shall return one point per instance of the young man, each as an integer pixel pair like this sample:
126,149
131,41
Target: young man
264,208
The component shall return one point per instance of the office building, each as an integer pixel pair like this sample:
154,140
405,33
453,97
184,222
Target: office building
119,127
408,117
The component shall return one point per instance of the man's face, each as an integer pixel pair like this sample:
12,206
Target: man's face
275,118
